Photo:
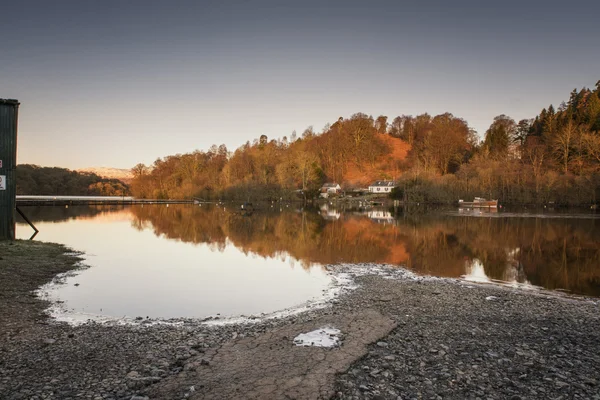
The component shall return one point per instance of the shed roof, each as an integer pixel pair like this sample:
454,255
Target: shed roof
9,101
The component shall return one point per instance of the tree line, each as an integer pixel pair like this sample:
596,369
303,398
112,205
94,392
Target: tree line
36,180
552,158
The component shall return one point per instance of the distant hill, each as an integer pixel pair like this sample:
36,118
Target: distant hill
36,180
121,174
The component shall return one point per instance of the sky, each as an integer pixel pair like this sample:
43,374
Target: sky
115,83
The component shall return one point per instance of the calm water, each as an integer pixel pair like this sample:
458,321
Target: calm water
192,261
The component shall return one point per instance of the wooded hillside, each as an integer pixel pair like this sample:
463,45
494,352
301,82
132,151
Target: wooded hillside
35,180
554,157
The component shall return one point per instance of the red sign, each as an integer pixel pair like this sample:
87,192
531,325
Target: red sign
0,163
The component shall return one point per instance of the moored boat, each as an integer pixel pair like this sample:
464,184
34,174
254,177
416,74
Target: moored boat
479,202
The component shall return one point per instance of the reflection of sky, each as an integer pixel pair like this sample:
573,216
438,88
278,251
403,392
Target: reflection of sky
475,272
136,273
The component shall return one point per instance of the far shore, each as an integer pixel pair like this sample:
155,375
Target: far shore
402,337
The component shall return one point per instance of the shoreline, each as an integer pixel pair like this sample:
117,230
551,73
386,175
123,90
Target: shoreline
401,337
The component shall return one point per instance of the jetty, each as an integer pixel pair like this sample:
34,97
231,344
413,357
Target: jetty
92,200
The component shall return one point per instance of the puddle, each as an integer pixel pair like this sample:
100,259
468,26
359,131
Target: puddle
322,337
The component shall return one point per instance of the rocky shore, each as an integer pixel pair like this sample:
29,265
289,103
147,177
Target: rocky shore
402,337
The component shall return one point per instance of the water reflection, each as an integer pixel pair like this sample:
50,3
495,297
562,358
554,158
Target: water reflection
555,253
135,271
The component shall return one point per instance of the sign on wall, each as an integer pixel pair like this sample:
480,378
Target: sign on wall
2,182
0,163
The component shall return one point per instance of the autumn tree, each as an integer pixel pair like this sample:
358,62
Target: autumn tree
403,127
500,136
443,143
381,124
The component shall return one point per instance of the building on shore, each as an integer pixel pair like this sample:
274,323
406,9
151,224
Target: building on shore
330,189
382,186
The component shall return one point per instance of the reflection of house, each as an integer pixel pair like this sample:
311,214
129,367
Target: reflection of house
330,188
382,187
330,213
380,216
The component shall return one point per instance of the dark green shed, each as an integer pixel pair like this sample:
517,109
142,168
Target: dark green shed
9,113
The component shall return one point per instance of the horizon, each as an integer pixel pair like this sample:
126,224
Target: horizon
113,84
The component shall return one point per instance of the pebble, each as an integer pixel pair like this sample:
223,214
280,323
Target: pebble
480,356
455,348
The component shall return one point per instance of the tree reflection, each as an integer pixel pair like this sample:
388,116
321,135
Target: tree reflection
555,253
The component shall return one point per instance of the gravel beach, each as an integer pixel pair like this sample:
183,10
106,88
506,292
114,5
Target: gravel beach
402,337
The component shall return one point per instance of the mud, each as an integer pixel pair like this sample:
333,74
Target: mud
271,366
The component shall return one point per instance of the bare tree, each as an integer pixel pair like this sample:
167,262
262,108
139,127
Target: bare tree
563,143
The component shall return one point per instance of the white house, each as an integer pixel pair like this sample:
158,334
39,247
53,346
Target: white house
330,188
382,187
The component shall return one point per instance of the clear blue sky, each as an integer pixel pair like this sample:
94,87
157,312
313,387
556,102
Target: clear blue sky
114,83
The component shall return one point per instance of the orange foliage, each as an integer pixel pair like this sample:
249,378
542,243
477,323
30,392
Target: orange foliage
386,168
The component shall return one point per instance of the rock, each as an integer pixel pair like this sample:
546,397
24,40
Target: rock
138,383
49,341
158,372
138,397
382,344
204,362
133,375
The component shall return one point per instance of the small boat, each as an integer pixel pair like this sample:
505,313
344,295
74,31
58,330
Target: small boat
479,202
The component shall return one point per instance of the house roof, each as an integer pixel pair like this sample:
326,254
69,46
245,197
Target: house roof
328,185
383,183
